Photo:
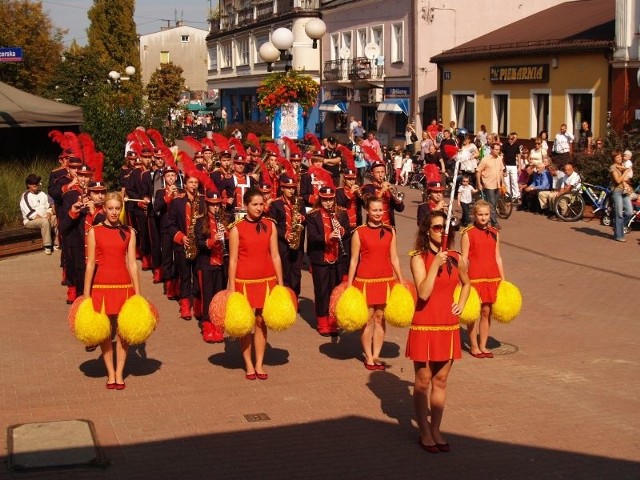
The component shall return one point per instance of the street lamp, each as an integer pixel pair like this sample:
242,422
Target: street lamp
282,40
116,77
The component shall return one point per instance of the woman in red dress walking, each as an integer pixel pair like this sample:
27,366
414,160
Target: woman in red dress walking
374,269
434,337
253,240
481,250
111,277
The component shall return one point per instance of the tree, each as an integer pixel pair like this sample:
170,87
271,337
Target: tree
164,89
24,24
77,76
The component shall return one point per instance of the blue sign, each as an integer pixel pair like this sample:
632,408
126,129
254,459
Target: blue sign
288,122
12,54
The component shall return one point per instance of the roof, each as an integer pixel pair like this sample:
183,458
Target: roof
21,109
571,26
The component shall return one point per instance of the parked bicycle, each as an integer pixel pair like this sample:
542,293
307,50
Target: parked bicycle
570,206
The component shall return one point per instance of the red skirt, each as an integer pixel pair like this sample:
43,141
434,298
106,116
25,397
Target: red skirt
487,289
433,343
109,298
256,290
375,290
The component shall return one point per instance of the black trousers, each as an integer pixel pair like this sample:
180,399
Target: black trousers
211,281
168,266
291,267
326,277
186,271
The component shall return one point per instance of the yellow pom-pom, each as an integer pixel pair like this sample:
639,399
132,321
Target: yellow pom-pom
508,302
352,312
278,312
400,307
239,318
471,312
136,320
90,327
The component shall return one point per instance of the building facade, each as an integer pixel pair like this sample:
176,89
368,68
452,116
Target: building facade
234,66
527,80
625,78
182,45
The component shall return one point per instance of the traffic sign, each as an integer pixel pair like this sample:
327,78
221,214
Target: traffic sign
11,54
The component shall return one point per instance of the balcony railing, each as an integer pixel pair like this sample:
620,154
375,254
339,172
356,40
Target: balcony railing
352,69
258,11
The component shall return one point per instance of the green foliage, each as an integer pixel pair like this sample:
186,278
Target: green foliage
109,116
80,75
12,175
164,90
24,24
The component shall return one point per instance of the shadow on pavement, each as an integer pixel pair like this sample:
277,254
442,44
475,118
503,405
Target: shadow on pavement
349,447
231,358
592,232
306,309
138,364
347,346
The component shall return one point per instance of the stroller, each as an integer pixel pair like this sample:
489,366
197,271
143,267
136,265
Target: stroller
417,178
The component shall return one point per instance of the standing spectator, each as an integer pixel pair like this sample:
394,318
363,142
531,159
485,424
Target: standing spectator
465,199
562,146
536,154
37,213
352,127
468,157
511,159
544,136
489,179
410,138
585,139
223,118
360,160
397,164
481,137
425,144
373,142
358,131
621,194
433,130
598,147
449,149
407,167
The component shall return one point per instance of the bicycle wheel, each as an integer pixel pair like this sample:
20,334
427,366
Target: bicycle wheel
570,206
504,206
607,213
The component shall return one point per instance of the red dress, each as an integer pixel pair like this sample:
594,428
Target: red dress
435,331
111,285
483,268
255,273
374,275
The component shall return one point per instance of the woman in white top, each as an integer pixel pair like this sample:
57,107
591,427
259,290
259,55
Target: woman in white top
537,153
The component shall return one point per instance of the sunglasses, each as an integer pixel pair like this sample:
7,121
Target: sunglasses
437,228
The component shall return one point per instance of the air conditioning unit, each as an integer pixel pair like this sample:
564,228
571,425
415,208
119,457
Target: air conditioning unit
375,95
356,95
350,94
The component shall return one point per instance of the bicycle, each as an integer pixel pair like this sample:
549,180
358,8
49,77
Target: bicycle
569,206
504,204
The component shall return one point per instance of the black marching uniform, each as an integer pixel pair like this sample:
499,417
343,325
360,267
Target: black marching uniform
389,204
72,231
162,200
352,203
282,211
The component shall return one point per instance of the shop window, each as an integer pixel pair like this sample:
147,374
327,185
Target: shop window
369,119
581,108
164,57
540,112
501,113
342,122
464,109
401,124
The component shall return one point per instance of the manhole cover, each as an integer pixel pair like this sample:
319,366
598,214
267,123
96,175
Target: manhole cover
256,417
50,445
504,349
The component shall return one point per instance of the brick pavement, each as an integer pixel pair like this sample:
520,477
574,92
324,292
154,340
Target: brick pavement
565,405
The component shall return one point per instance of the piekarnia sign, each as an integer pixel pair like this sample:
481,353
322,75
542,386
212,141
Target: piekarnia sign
12,54
519,73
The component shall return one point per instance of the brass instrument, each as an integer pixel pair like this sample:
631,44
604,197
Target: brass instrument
336,228
296,224
191,251
398,197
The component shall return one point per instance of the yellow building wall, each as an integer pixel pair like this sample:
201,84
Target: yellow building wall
575,73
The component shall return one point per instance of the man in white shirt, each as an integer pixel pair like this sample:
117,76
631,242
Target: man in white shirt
570,181
562,146
37,213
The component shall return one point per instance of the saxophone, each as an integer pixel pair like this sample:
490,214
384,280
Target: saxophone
296,225
192,250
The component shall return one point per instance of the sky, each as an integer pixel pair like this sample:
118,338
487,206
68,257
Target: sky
150,15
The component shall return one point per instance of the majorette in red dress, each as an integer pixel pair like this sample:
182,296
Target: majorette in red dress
434,334
374,274
483,268
111,285
255,273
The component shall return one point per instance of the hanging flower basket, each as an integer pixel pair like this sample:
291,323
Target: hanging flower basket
287,87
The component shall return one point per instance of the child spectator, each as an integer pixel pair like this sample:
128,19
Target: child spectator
465,199
407,167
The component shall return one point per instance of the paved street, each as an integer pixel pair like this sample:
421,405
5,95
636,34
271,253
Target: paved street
561,401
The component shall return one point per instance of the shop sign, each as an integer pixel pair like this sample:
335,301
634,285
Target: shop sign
519,73
11,54
396,92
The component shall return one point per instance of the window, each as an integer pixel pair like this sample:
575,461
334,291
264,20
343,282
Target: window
184,38
401,124
346,42
226,56
213,58
540,110
164,57
342,122
242,51
378,38
361,41
464,110
335,46
580,105
397,42
501,113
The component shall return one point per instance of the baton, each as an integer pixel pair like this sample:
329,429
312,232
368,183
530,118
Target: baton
445,236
